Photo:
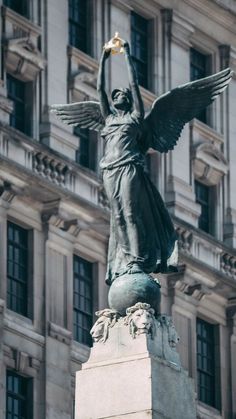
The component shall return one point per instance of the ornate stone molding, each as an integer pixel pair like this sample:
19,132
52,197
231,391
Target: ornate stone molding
209,163
21,361
83,75
7,193
23,59
59,333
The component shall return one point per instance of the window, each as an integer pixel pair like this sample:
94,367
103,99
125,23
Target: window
82,300
139,47
19,397
208,363
19,6
17,269
19,93
199,68
79,29
203,198
86,155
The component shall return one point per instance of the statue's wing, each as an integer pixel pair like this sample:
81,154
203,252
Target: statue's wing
82,114
170,112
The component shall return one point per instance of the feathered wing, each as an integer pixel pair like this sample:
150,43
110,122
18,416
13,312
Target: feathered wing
171,111
82,114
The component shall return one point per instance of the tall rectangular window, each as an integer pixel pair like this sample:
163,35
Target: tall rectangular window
18,92
86,155
207,372
82,300
17,269
19,397
202,193
79,29
139,47
199,68
19,6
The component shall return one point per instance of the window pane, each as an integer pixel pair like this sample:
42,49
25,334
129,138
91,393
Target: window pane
203,198
139,47
78,25
19,6
19,118
82,301
198,70
18,402
17,268
206,362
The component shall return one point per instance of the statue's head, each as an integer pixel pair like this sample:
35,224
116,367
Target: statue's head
140,319
122,99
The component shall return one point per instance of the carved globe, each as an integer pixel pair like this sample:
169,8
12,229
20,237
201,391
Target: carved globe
129,289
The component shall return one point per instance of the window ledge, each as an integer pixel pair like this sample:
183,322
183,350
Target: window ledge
203,132
83,74
207,412
18,24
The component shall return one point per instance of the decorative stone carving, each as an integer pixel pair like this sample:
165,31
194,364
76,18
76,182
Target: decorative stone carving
209,163
59,333
106,319
23,59
140,319
173,337
51,169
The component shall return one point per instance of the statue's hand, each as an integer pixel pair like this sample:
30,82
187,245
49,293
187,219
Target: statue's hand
126,47
106,53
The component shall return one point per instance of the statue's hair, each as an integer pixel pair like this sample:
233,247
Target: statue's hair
127,92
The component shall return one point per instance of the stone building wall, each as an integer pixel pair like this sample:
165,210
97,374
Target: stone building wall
44,190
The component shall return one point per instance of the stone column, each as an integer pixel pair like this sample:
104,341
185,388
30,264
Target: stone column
179,196
134,370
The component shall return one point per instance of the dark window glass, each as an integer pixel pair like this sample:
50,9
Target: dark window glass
19,397
86,155
199,69
139,47
19,6
79,25
21,115
17,268
206,363
203,198
82,300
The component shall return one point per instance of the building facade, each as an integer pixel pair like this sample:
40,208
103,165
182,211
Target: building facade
54,217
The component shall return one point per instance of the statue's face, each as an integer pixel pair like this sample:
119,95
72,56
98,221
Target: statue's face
142,320
97,330
121,101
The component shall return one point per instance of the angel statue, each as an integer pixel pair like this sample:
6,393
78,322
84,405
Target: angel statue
142,235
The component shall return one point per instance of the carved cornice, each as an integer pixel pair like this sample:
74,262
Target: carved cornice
209,163
20,25
7,193
23,59
59,333
21,361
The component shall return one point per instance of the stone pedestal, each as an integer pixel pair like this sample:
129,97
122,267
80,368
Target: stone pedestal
134,372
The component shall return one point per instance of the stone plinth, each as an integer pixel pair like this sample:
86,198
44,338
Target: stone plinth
135,374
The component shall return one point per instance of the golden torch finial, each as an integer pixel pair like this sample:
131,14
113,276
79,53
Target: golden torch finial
115,44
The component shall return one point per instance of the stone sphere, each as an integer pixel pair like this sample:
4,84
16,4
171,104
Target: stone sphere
129,289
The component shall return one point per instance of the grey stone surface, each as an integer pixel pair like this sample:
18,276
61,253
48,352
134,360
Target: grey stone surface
134,378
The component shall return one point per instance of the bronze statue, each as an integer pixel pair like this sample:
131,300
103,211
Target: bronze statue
142,236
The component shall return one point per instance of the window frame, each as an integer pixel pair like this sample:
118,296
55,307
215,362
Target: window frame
28,300
88,158
24,100
205,116
214,374
149,32
212,209
87,47
27,398
86,338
